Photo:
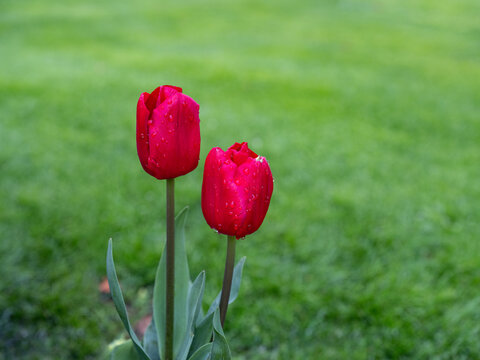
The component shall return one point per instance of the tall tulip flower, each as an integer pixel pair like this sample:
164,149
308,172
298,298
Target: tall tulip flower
236,191
168,146
168,132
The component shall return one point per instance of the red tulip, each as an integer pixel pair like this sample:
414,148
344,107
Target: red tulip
168,132
236,191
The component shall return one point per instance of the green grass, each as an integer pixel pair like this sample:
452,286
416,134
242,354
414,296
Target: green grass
368,112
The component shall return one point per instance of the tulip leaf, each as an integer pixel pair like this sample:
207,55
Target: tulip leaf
195,295
182,285
120,302
150,341
236,280
202,334
220,349
203,353
123,351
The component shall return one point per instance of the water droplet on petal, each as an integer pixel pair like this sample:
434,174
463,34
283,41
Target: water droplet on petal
150,122
235,227
170,117
246,171
237,181
154,133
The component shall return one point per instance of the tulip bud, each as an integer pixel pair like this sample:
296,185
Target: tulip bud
236,190
168,132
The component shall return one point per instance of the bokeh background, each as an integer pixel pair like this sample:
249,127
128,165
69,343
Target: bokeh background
368,112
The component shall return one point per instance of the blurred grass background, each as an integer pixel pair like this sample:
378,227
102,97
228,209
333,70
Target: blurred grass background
368,112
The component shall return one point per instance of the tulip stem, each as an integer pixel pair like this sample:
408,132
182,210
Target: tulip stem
170,248
227,278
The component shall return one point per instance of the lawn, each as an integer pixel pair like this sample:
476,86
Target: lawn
368,112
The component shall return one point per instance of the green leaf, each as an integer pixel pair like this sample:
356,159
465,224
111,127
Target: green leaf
150,341
123,351
182,285
220,349
195,295
120,303
202,334
236,280
202,353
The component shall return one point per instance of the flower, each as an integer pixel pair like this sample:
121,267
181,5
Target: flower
168,132
236,190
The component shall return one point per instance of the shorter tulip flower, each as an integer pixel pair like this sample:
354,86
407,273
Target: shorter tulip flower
236,191
168,132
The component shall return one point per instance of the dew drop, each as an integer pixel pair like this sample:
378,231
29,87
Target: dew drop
150,122
154,133
246,171
170,117
162,139
230,213
227,162
169,101
235,227
237,181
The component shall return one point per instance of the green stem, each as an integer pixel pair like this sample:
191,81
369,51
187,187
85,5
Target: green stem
227,278
170,269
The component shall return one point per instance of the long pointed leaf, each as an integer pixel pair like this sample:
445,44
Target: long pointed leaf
236,280
123,351
195,295
182,283
203,353
220,349
203,333
120,302
150,341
